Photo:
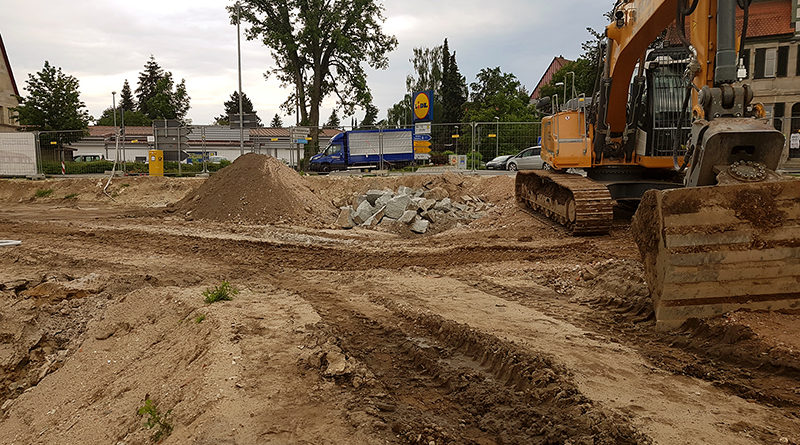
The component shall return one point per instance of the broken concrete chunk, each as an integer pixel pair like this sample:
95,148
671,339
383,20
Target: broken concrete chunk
436,193
358,199
364,211
420,226
408,217
375,219
466,198
373,195
345,220
427,204
403,190
396,206
445,205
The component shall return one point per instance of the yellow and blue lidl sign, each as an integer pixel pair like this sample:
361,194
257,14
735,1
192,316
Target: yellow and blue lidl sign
423,106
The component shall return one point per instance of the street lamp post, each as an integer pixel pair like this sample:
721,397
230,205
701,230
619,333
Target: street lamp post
497,136
573,85
563,84
457,135
116,130
239,51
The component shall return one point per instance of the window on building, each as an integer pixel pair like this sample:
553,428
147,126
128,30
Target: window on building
778,112
796,118
797,70
766,62
783,61
2,116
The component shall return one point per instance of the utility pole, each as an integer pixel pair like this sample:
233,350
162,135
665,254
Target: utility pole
497,136
239,50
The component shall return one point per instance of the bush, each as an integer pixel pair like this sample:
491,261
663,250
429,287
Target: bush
44,193
223,292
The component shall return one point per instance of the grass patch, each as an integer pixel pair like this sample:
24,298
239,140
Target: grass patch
44,193
71,196
224,292
199,319
156,420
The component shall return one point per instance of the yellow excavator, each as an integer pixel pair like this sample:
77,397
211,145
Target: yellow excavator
670,127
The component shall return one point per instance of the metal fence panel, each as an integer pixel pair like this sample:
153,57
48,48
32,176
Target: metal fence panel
17,154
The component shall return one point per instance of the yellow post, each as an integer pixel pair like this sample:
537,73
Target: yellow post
156,163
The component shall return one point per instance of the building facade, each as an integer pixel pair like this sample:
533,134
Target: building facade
772,59
8,93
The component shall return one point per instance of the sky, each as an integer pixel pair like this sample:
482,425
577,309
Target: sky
102,43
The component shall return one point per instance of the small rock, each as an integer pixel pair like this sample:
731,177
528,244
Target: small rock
466,198
420,226
345,220
459,206
7,404
358,199
408,217
383,200
403,190
375,219
427,204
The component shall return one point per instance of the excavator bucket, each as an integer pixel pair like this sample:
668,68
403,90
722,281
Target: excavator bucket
711,250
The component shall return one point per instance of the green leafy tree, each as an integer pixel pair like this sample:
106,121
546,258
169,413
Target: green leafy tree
53,101
132,118
126,101
499,94
277,122
232,107
148,80
158,96
370,117
333,120
427,75
170,101
586,70
320,49
454,87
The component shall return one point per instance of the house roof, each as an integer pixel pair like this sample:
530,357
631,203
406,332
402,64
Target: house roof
212,132
8,65
555,65
284,132
767,18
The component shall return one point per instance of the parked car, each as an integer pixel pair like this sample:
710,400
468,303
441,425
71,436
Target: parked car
528,159
88,158
498,163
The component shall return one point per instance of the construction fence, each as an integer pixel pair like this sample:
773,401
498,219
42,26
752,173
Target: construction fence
195,149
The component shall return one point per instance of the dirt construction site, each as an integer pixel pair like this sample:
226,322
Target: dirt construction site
468,321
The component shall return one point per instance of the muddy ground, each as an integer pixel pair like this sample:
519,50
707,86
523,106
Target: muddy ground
506,330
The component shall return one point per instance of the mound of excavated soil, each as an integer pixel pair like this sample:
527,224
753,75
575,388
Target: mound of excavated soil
257,189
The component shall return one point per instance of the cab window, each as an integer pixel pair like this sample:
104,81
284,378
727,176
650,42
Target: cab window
333,149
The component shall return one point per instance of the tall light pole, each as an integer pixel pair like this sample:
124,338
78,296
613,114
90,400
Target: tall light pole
239,51
573,85
116,130
563,84
497,136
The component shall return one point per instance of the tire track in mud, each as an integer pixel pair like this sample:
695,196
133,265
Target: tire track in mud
724,358
437,381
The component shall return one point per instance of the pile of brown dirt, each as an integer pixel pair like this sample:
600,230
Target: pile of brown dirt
257,189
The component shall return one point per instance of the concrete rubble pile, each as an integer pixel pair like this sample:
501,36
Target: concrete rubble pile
416,209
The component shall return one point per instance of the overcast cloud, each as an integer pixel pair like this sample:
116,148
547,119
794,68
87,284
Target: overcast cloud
104,42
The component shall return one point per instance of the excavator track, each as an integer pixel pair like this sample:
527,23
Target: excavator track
580,204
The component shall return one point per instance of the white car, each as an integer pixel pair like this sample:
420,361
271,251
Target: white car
528,159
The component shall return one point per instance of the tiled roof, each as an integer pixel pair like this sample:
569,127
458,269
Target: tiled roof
284,132
108,130
555,65
212,132
767,18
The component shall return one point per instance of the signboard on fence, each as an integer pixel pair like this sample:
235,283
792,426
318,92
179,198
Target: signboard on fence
459,161
17,154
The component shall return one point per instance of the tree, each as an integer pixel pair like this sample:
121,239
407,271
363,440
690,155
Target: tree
498,94
148,80
126,97
586,70
320,49
232,107
277,122
454,87
170,101
132,118
370,117
157,95
53,101
333,120
426,75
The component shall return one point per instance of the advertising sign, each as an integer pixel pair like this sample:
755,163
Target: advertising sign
422,128
423,106
795,141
